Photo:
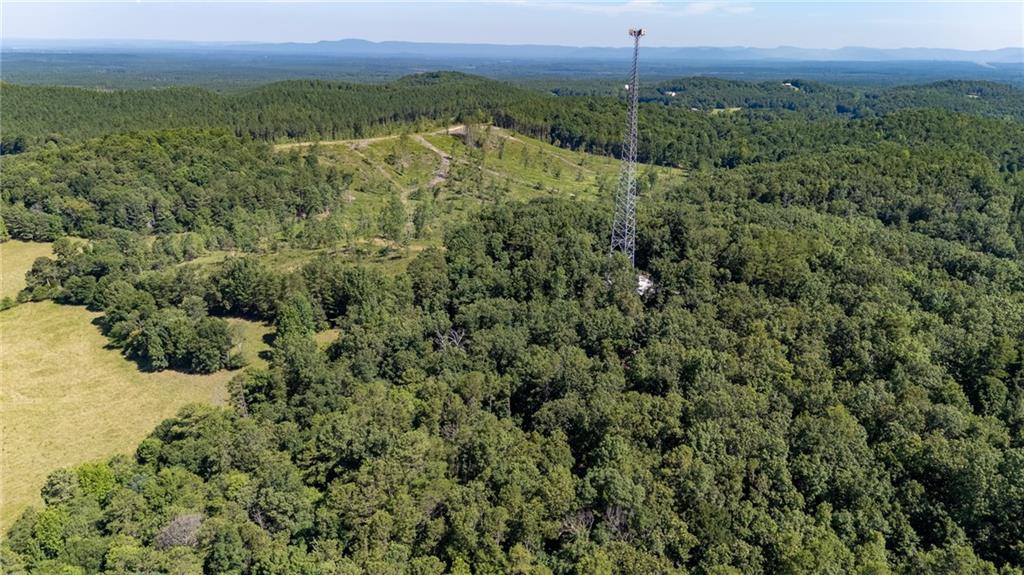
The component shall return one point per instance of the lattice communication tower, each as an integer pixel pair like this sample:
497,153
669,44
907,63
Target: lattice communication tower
624,226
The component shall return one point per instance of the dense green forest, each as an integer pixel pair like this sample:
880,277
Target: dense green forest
232,191
282,110
805,393
828,377
296,109
707,93
697,140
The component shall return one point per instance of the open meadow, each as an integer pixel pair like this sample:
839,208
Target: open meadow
16,258
66,397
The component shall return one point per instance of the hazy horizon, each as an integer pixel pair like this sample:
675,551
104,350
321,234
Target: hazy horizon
129,41
720,24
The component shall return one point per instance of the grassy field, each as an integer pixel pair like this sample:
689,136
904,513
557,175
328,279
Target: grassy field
65,398
15,259
253,341
450,176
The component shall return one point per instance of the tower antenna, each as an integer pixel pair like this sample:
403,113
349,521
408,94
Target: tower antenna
624,226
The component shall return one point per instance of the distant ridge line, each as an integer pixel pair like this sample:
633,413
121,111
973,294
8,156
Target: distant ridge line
366,48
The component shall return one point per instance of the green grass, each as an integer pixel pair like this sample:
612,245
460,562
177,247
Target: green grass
499,165
16,258
67,398
325,338
406,161
253,341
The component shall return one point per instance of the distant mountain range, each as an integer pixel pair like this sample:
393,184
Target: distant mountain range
425,50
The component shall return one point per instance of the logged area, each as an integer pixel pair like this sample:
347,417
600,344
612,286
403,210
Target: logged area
413,353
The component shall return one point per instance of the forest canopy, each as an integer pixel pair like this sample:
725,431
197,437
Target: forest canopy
804,393
317,109
827,378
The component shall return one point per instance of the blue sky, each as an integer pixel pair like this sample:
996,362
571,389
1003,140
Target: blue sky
965,25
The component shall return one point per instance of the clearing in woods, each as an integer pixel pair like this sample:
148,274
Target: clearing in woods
445,175
454,171
66,398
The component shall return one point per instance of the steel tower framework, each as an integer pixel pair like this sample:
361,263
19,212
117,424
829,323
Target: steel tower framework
624,227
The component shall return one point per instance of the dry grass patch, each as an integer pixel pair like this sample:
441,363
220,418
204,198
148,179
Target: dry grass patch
16,258
66,398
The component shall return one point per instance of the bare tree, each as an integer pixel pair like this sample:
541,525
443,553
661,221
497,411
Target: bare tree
577,525
616,519
453,338
182,531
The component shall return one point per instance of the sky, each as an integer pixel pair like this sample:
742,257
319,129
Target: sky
962,25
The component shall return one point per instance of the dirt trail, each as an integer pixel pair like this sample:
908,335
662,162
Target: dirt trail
440,176
359,143
446,161
354,144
